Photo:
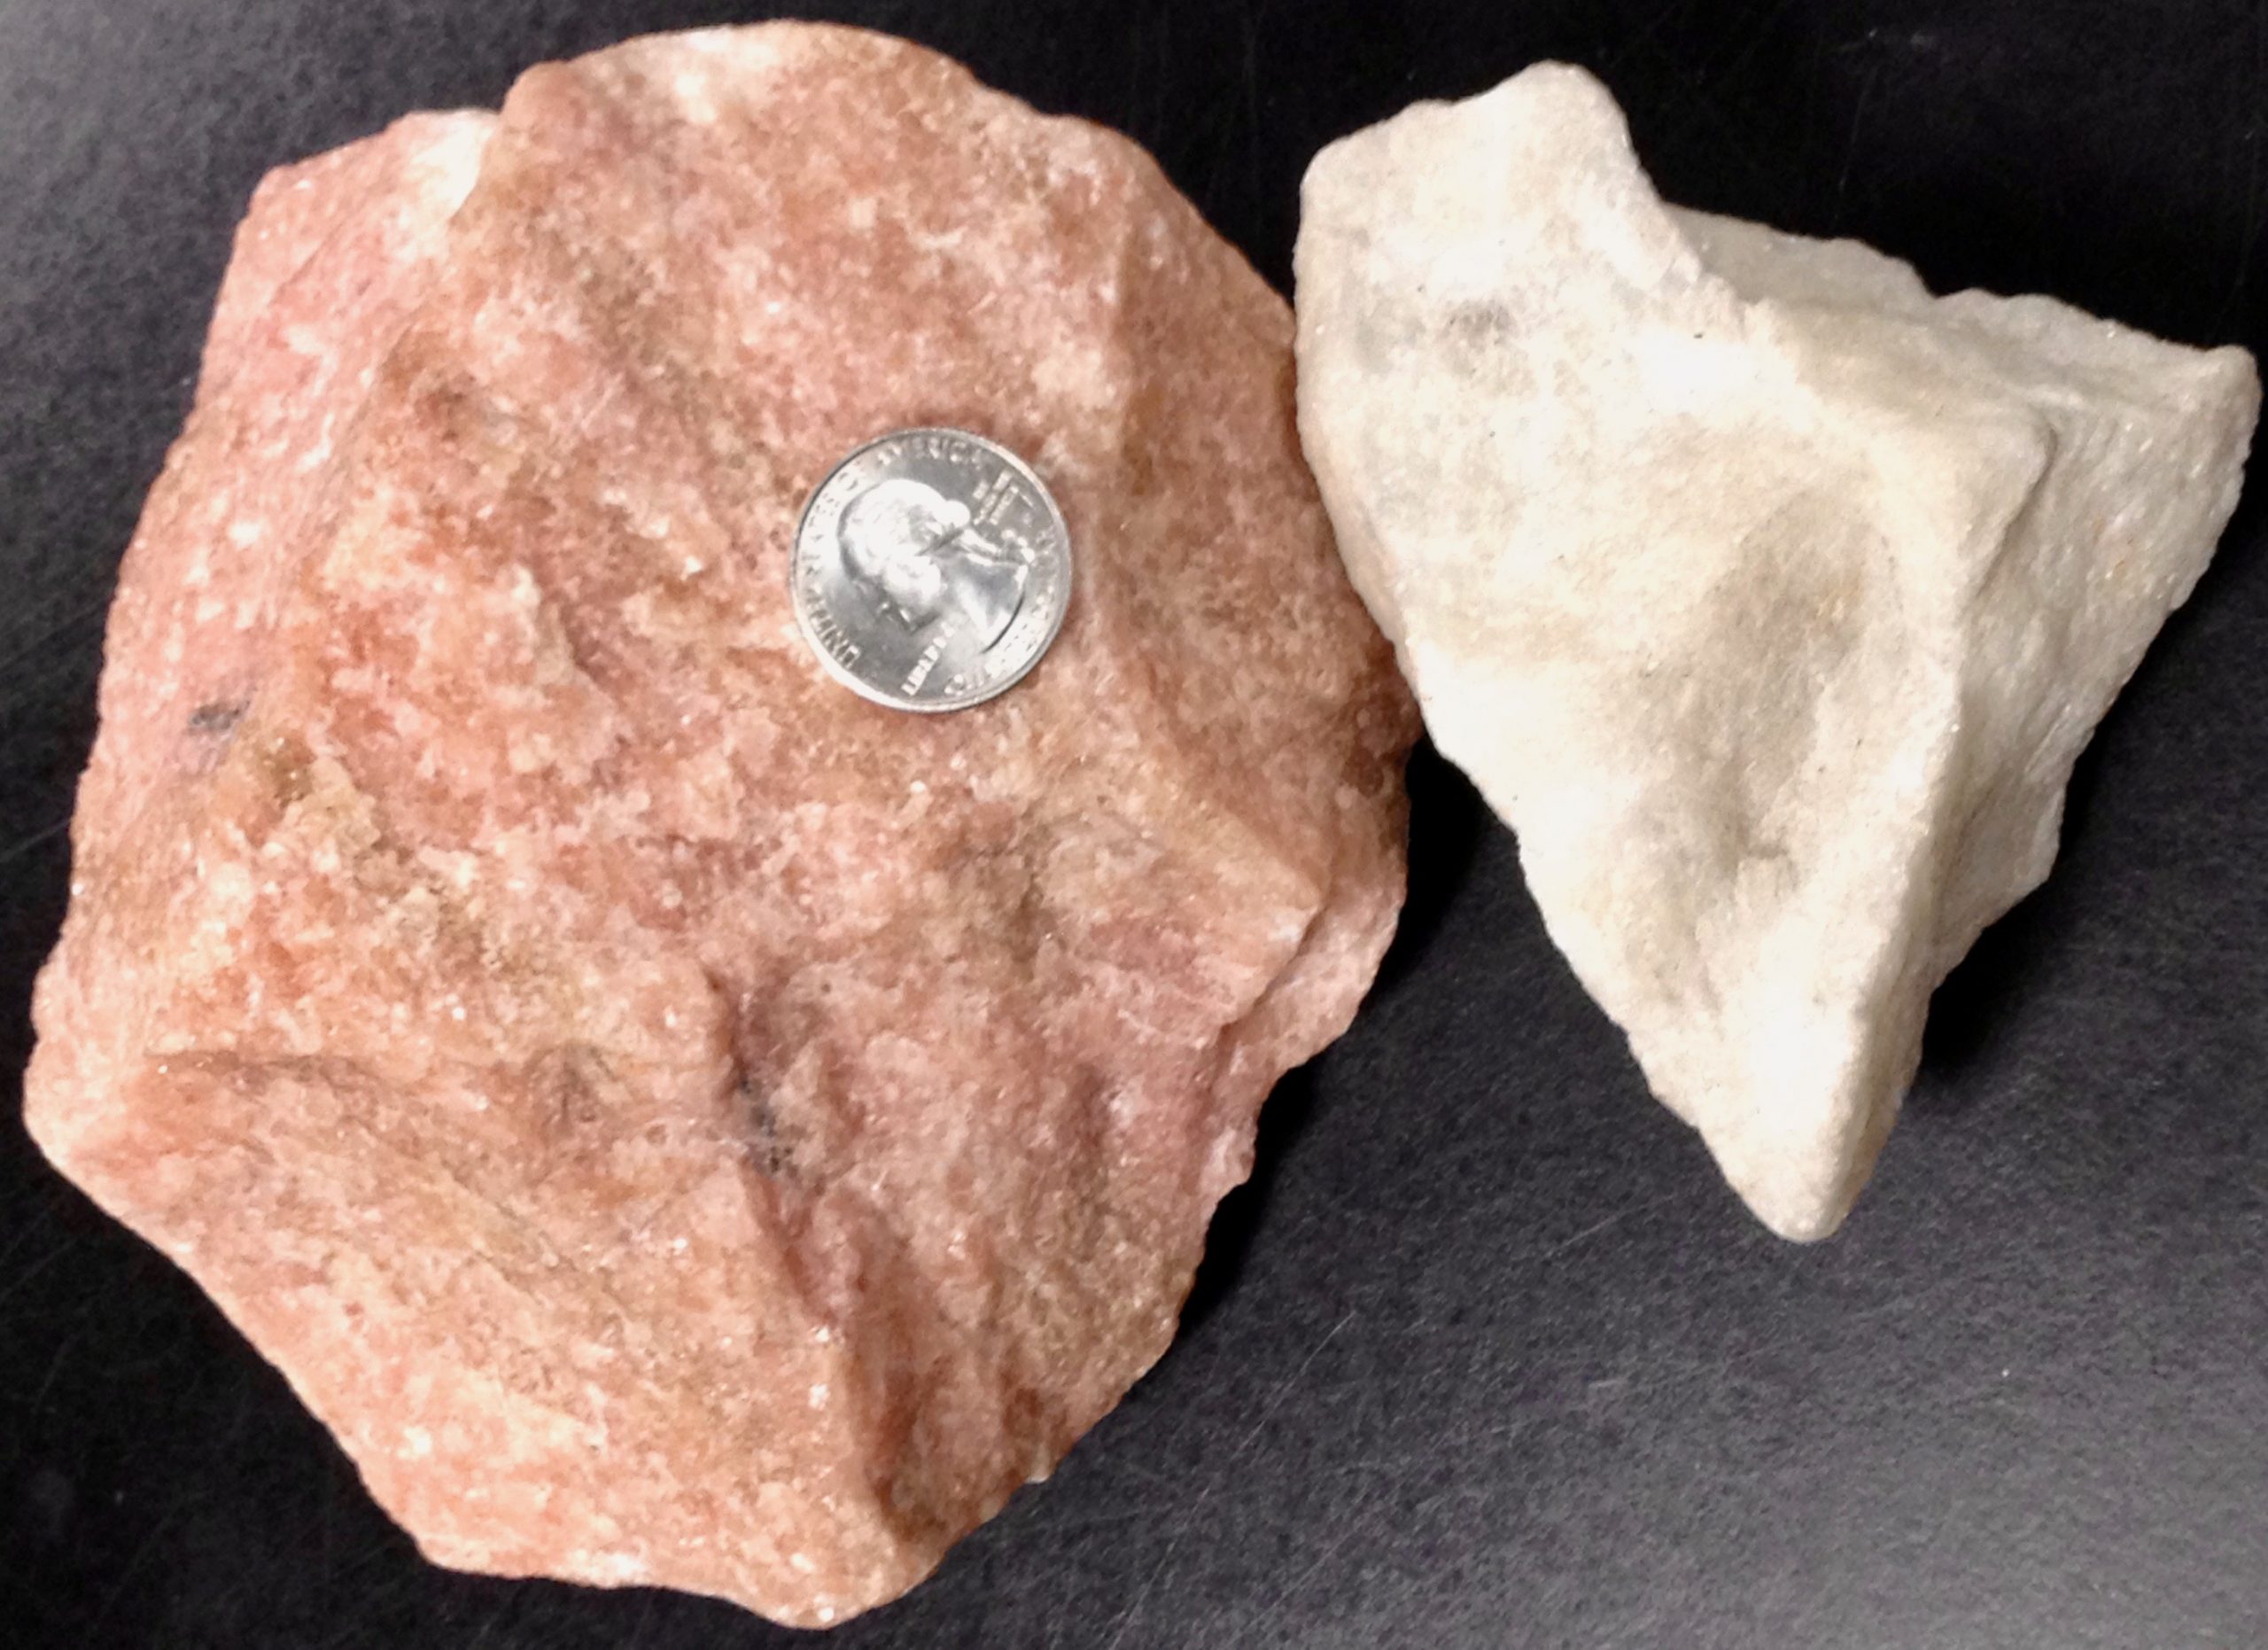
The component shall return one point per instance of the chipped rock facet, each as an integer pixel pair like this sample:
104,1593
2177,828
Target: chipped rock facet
675,1121
1766,596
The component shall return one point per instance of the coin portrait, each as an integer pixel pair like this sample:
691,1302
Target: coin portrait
918,557
931,571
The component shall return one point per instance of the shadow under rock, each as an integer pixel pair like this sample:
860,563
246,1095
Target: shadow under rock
1448,823
1971,1004
1975,1000
1977,997
1228,1241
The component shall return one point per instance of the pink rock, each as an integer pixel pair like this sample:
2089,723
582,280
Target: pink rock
675,1121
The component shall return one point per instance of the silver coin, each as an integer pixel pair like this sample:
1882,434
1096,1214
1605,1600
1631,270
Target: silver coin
931,571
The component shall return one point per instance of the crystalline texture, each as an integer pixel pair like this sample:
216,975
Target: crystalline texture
1767,597
675,1121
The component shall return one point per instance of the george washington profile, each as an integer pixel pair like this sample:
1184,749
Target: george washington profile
917,555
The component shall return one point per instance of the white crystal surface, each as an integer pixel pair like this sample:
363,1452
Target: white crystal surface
1767,597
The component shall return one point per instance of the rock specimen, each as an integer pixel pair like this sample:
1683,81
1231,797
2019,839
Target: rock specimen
675,1121
1766,596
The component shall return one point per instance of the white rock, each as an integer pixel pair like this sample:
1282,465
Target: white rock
1769,598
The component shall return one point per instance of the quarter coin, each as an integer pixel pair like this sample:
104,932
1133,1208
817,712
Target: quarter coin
932,569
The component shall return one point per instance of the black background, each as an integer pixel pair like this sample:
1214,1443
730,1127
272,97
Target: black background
1486,1355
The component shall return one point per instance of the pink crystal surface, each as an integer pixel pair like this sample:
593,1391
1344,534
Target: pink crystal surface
674,1121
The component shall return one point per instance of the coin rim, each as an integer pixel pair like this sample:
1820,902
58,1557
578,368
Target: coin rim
880,695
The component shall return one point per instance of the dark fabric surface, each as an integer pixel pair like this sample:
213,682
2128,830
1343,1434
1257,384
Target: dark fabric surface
1486,1355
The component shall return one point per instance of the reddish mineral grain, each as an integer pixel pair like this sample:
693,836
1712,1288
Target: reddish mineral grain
675,1121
